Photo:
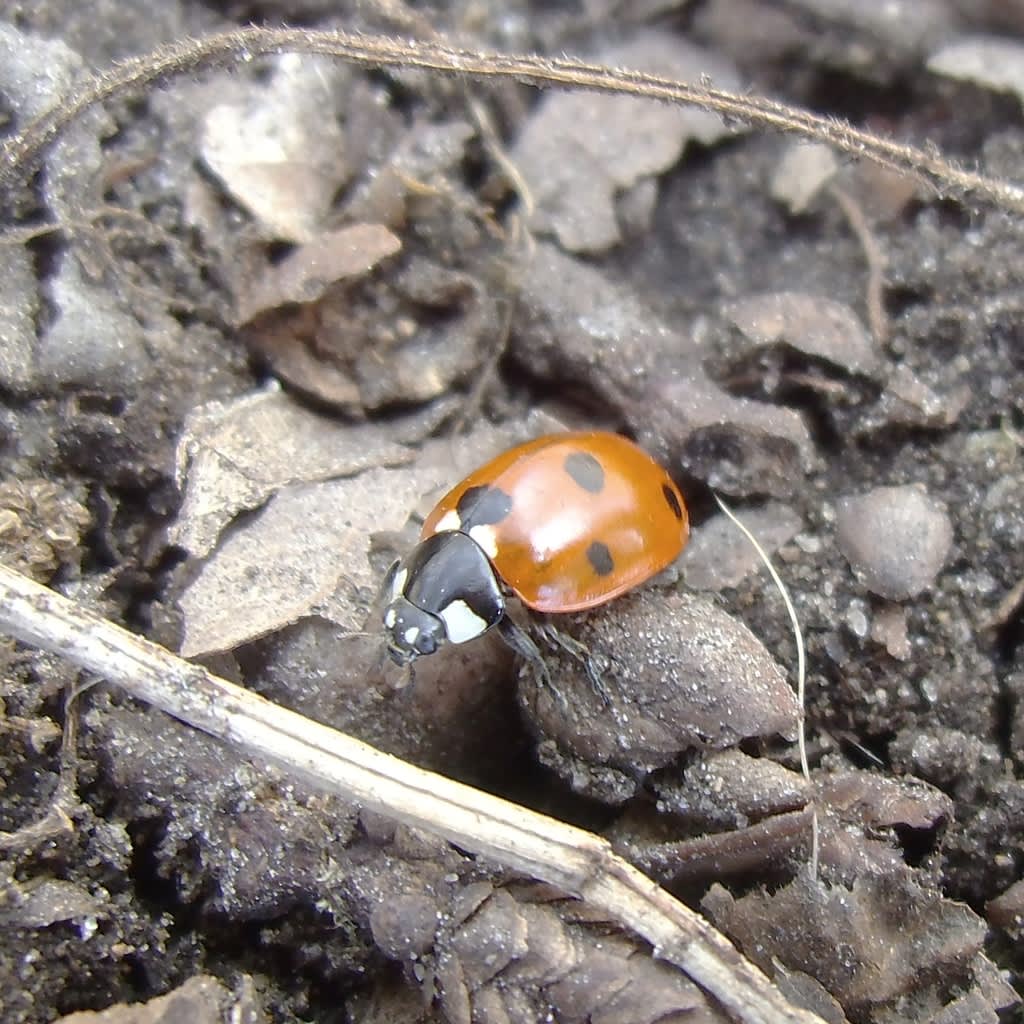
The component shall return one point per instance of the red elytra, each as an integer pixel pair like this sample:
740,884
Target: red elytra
569,521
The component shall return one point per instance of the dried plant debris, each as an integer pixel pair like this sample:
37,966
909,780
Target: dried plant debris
281,153
326,326
306,273
308,538
396,282
630,720
41,527
511,960
813,324
878,801
200,1000
405,340
904,952
271,851
803,990
719,556
737,817
897,539
579,151
45,901
232,457
728,789
515,953
993,62
319,491
575,324
417,166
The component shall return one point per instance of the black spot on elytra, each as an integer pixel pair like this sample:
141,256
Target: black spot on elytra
586,471
483,506
672,501
600,558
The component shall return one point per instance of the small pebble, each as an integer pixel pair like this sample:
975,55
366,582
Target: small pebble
896,539
889,628
857,619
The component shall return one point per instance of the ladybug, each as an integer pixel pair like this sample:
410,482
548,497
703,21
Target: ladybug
565,522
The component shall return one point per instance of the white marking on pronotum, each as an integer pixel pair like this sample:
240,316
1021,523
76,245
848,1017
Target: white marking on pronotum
411,635
390,618
487,538
398,583
449,521
461,623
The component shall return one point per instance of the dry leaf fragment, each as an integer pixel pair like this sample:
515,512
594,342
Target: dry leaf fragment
279,566
579,149
876,941
325,489
878,801
234,456
46,902
41,526
281,155
730,789
908,400
813,324
311,268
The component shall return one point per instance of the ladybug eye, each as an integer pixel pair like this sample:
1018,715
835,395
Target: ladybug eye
426,643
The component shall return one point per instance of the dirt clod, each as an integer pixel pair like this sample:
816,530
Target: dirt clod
897,539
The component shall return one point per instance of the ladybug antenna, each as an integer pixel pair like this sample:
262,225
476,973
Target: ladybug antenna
801,673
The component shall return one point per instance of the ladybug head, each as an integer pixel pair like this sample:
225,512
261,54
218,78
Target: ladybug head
411,631
444,590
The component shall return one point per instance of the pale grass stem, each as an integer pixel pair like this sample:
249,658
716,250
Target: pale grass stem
801,674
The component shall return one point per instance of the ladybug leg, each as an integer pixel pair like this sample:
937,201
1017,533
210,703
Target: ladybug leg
522,643
592,664
394,678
